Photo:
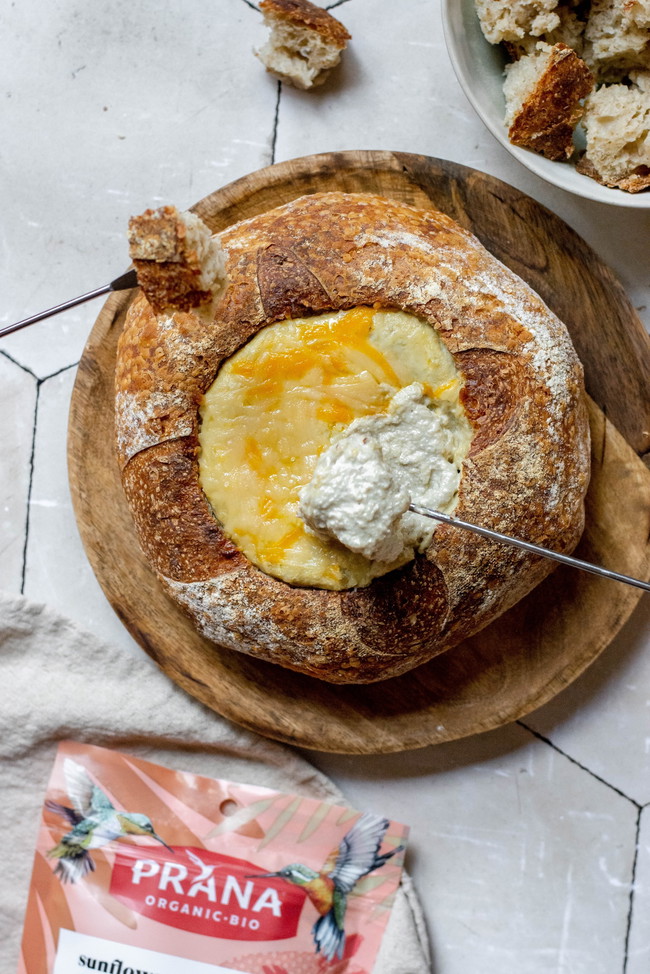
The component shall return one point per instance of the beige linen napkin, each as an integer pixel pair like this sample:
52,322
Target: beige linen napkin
58,682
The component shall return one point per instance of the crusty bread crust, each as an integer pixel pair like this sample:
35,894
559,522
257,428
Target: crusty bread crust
302,13
526,473
632,182
551,111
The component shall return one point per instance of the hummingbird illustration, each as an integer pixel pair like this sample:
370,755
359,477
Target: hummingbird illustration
94,820
328,889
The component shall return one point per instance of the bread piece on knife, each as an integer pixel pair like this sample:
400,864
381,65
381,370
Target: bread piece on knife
305,43
544,92
179,264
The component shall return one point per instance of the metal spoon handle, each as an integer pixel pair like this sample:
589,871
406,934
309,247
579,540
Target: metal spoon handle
586,566
122,283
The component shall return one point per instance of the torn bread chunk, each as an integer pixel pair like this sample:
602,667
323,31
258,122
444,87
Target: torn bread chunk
512,20
617,123
179,264
570,31
305,42
617,38
543,92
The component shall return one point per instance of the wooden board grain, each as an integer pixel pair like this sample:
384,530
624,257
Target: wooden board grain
533,651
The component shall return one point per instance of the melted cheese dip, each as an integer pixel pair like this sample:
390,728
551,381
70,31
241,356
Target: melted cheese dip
279,402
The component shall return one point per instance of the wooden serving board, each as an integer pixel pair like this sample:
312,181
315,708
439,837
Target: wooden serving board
530,653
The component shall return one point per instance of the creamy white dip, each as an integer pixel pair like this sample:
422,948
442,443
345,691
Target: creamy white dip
355,498
363,483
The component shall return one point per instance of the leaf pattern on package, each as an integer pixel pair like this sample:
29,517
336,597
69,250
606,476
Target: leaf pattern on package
97,884
281,822
314,821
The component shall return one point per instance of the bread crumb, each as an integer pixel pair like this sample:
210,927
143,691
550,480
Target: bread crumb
179,264
570,31
305,42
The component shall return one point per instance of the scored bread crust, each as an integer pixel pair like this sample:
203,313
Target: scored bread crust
526,473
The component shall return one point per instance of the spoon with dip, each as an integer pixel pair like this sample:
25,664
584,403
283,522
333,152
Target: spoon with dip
361,494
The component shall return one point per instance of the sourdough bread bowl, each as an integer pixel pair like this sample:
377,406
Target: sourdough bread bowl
525,471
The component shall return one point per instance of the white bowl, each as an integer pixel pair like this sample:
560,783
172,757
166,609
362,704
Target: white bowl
479,69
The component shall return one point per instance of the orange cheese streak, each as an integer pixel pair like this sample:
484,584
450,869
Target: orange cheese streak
274,552
324,348
436,393
254,457
328,350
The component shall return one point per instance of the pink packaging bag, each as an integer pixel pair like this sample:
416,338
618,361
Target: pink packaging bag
143,870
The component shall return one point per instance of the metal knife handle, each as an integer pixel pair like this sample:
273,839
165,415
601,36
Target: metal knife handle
585,566
122,283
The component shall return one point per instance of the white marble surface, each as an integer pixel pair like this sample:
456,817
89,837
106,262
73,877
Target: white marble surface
530,844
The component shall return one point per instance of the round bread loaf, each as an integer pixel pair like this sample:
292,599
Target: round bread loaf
526,472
